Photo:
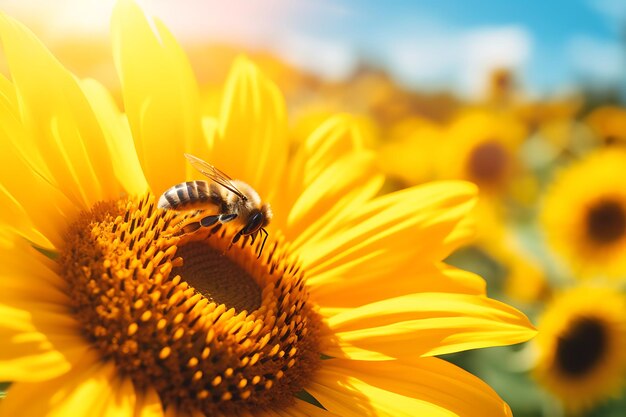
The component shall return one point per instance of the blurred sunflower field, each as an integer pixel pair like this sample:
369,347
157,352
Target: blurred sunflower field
449,183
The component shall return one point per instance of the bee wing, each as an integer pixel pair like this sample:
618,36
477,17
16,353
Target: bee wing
214,174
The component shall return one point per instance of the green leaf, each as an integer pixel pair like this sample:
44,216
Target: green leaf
4,387
49,253
304,395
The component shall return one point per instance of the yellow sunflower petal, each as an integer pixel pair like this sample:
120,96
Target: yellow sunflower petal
28,278
28,275
63,127
27,355
304,409
89,389
349,396
43,343
7,91
425,387
174,412
339,135
392,229
33,207
6,237
160,95
14,220
330,175
122,400
428,324
148,404
118,136
299,409
253,139
56,325
473,284
44,339
341,188
21,289
370,283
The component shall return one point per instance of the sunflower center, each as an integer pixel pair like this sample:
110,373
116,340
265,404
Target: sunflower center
606,222
488,162
611,140
218,278
212,328
581,347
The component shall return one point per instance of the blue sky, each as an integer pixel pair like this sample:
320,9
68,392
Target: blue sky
428,44
553,44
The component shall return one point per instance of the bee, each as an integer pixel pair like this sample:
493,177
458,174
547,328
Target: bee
223,200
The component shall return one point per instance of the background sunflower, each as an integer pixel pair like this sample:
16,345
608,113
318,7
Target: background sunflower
584,214
580,345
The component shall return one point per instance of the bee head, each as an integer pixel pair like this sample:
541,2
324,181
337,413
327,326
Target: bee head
259,218
255,222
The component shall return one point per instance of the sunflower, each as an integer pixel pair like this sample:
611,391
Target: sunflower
408,153
483,147
111,305
501,87
525,279
584,214
609,124
581,345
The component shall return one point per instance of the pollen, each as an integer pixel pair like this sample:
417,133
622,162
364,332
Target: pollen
212,328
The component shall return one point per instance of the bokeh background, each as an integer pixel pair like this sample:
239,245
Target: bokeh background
428,45
526,99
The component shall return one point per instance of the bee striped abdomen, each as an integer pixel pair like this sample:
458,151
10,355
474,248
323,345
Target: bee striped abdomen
187,195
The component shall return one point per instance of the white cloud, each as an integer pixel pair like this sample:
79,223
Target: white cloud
250,22
328,58
424,59
598,60
460,59
275,25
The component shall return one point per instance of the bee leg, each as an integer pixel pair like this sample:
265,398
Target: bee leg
262,230
235,238
224,218
187,229
209,220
